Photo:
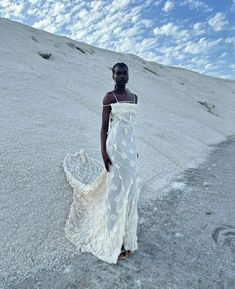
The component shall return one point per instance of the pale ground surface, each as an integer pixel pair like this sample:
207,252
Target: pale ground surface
50,107
186,240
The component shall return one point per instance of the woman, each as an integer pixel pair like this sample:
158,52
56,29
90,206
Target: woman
103,215
119,149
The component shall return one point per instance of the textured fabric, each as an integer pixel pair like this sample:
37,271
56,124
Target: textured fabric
103,214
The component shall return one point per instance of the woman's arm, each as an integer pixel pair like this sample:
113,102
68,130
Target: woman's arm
136,101
104,129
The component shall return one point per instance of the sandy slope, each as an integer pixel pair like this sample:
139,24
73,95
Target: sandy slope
53,106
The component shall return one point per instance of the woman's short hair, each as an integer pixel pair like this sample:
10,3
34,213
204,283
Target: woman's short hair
119,64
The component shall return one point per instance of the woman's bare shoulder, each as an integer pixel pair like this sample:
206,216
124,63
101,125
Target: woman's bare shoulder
136,97
108,98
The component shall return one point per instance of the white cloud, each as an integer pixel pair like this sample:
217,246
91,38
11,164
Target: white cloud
173,30
169,29
12,10
119,30
150,56
147,42
62,19
223,55
83,14
126,45
230,40
33,1
168,6
233,6
45,24
210,66
218,21
116,5
198,28
201,64
172,52
5,3
196,4
58,8
96,5
202,46
146,22
156,3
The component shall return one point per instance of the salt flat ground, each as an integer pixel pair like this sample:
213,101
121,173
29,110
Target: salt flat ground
186,239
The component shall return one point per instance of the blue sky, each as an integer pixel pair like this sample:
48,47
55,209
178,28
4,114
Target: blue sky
194,34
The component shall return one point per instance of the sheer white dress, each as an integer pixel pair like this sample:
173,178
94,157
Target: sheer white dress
104,213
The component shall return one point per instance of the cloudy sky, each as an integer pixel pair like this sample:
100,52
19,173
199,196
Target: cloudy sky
194,34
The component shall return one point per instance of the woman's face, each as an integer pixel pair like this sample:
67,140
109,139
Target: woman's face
120,75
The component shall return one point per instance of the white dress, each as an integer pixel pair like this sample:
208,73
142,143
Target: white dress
103,214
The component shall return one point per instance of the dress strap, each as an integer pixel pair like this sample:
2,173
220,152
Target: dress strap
115,96
125,101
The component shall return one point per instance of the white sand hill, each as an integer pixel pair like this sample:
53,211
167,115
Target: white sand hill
51,105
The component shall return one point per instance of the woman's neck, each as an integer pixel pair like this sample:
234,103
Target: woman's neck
120,89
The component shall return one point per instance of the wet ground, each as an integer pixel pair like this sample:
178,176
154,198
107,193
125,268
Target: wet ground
186,240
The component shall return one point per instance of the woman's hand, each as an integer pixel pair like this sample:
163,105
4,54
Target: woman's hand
107,161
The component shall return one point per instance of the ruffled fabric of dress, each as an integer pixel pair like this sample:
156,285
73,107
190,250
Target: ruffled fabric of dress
88,179
87,226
